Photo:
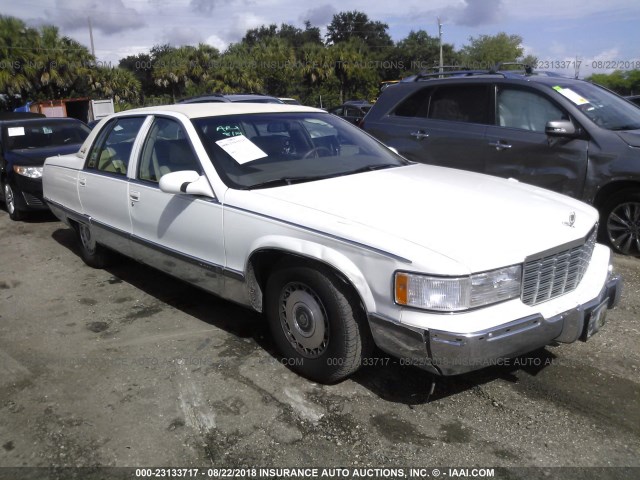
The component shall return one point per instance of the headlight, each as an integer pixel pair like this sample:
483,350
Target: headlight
453,294
31,172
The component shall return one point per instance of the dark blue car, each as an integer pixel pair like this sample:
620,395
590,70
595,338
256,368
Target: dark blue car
25,143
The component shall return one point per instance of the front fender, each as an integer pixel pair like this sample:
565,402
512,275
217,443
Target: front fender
318,252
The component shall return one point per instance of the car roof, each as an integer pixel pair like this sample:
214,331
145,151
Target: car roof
43,119
200,110
231,97
19,115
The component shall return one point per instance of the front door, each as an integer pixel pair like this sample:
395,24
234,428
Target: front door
179,234
517,146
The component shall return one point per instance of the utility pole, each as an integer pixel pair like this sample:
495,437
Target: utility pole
440,38
93,51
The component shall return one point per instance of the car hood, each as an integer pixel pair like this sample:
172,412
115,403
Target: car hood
479,221
37,156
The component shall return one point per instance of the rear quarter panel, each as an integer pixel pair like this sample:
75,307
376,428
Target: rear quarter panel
60,181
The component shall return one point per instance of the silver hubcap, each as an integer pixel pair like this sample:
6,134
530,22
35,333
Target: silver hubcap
88,243
304,320
9,200
623,227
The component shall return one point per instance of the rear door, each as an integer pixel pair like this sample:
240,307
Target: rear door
516,146
103,185
441,125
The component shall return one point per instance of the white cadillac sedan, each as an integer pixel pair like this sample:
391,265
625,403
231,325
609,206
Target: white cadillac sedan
342,243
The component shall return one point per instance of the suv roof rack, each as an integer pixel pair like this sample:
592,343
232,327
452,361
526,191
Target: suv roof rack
498,69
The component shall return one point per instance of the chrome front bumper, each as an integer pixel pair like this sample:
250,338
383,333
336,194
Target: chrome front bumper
447,353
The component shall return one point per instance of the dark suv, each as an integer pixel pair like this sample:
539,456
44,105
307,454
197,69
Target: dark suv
563,134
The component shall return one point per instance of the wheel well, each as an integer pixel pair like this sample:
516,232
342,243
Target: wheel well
264,262
613,188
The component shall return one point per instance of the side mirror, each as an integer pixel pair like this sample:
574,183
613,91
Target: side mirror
560,128
186,181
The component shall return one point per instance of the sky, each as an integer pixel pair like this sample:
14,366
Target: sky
601,35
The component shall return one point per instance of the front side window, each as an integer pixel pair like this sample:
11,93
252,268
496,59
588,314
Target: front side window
112,149
526,110
166,150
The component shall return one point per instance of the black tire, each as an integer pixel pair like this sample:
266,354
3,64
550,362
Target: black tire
10,203
620,222
93,254
317,323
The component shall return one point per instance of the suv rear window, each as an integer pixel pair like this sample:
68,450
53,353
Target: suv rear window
458,103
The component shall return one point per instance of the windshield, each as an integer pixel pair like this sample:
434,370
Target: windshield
604,108
266,150
44,134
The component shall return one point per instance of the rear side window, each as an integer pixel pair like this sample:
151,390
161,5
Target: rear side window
456,103
112,149
461,103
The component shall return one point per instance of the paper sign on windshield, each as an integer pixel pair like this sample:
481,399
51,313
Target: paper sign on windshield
571,95
241,149
15,131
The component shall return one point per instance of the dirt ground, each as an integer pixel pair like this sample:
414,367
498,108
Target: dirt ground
127,367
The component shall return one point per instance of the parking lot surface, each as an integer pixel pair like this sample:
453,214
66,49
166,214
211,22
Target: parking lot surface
129,367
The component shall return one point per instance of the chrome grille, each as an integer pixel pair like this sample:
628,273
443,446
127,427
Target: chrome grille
550,276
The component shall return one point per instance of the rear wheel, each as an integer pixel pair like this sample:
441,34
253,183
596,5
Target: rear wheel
10,202
93,254
620,223
317,323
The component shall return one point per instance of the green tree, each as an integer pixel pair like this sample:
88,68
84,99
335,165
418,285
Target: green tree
62,64
39,63
117,83
17,56
418,52
185,70
485,51
352,69
623,82
141,65
348,25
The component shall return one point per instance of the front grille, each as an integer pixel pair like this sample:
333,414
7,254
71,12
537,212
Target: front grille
32,200
550,276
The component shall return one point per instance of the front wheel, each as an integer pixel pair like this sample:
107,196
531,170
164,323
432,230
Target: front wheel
93,254
10,202
317,323
620,225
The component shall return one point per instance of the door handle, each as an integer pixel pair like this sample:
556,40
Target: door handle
135,196
419,134
500,145
82,182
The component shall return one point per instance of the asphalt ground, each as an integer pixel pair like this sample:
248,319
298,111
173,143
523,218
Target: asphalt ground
127,367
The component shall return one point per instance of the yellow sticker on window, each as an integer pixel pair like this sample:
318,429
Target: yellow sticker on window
571,95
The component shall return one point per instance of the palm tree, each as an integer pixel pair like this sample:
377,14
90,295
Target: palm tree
16,52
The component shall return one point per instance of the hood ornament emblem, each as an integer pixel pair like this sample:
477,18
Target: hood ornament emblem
572,220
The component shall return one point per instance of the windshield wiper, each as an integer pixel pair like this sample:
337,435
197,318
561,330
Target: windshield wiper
626,127
371,168
277,182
